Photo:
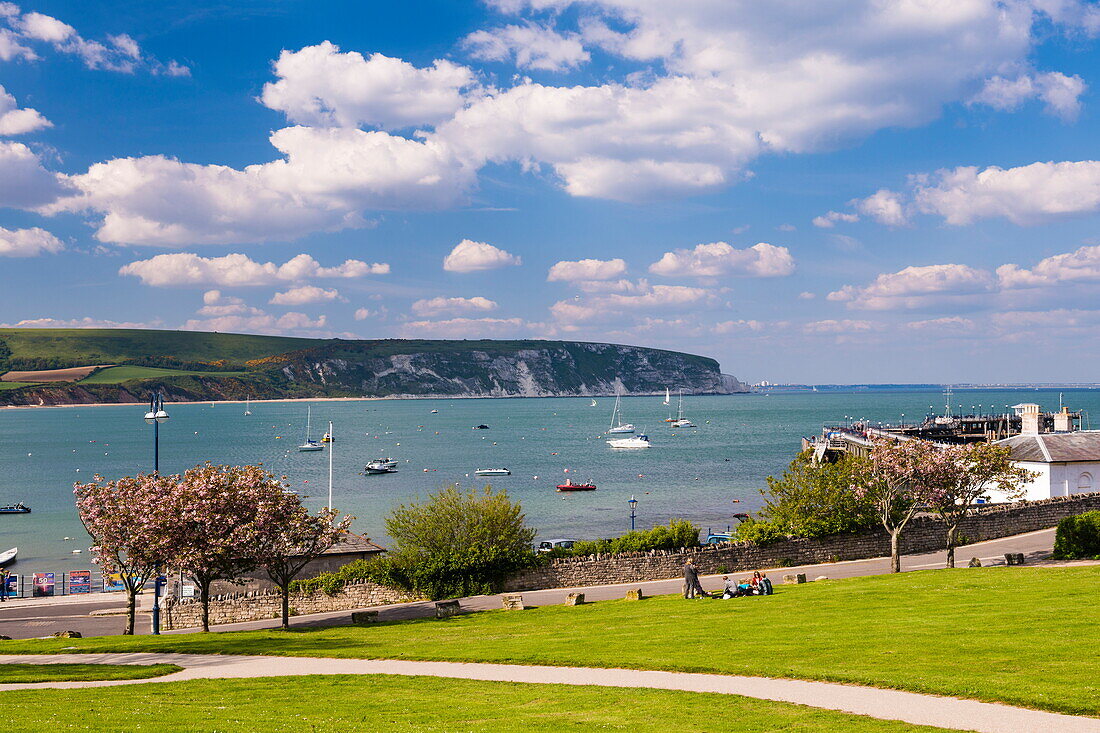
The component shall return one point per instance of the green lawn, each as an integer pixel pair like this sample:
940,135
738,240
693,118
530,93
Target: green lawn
82,672
1025,636
406,704
115,375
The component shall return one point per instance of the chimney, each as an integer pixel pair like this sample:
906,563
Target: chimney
1063,421
1029,419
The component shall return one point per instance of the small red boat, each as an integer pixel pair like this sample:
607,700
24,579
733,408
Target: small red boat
570,486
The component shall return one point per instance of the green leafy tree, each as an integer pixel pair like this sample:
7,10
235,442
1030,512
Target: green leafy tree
457,543
812,499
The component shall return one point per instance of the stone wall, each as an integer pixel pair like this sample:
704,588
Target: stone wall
923,534
258,605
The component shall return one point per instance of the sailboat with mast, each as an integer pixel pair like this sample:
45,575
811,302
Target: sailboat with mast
681,421
617,424
247,407
309,444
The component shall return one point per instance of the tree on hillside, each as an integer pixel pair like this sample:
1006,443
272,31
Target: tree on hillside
456,543
812,499
215,509
971,471
131,527
896,480
286,538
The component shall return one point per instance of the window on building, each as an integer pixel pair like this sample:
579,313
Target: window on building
1084,483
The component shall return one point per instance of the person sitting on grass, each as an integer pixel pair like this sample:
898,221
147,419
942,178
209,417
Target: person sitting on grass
730,591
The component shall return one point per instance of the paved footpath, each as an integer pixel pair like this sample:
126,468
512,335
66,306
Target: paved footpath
944,712
32,617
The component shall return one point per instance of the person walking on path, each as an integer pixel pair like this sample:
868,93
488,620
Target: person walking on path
692,587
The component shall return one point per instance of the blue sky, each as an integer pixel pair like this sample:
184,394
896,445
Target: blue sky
870,190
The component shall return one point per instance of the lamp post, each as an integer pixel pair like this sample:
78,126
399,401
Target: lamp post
633,503
155,416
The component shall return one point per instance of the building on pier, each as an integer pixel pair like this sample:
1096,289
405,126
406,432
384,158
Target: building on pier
1065,459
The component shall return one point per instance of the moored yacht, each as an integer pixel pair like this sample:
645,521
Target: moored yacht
618,427
637,441
492,472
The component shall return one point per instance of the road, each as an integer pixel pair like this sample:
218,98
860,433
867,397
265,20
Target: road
30,618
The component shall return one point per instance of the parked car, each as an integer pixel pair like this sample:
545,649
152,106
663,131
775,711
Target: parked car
714,538
551,545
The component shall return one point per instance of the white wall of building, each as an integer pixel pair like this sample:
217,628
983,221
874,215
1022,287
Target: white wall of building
1057,479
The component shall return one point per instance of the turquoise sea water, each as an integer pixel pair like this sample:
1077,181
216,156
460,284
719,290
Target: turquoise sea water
695,473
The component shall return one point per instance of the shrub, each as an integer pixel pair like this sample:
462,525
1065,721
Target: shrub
333,582
679,533
760,532
1078,538
457,543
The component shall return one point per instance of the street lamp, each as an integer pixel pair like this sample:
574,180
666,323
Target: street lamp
155,416
633,503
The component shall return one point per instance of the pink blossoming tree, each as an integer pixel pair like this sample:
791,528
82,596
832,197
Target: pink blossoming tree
131,528
970,471
215,509
286,538
897,480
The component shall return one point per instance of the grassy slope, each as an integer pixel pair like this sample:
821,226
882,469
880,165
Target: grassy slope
403,705
15,385
119,374
81,672
92,345
98,346
1025,636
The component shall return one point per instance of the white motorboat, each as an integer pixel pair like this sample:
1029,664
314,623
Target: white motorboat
383,465
618,427
9,556
492,472
637,441
309,444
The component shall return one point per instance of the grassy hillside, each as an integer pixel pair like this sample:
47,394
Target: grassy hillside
119,374
51,348
190,365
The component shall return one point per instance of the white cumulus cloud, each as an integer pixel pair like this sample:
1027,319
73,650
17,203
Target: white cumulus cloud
465,328
1023,195
305,294
533,46
27,242
24,182
915,287
16,121
1060,94
239,270
320,85
471,256
439,306
829,220
587,269
719,258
